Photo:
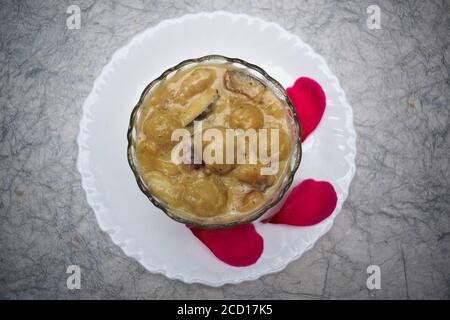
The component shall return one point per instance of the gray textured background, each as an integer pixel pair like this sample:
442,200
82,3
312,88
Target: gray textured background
397,215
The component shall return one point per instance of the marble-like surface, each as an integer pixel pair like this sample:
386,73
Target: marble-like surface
397,215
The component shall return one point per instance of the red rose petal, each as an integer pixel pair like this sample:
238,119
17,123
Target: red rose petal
309,101
238,246
309,203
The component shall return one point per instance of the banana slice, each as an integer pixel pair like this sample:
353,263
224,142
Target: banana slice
199,104
243,83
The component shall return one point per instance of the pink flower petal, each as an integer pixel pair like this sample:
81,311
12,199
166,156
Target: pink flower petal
238,246
309,101
309,203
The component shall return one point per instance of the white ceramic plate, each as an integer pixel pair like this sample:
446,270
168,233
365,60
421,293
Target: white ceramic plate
123,211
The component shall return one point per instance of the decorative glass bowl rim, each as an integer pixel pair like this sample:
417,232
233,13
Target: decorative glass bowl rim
253,215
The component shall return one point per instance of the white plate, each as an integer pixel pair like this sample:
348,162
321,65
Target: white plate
143,231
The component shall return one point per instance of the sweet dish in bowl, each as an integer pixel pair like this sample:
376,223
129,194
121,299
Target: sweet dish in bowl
214,142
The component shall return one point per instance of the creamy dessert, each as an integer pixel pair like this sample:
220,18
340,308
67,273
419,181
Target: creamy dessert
231,101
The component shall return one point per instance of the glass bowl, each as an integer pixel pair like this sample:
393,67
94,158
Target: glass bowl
225,220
